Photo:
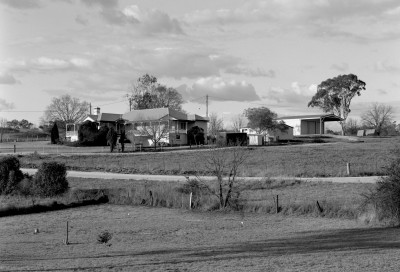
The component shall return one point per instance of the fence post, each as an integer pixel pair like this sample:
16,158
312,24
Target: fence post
277,203
15,148
190,201
348,169
66,240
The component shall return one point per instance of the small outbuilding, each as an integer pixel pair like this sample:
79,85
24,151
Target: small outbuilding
309,124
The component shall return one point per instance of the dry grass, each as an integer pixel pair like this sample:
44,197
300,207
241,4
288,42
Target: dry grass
309,160
145,239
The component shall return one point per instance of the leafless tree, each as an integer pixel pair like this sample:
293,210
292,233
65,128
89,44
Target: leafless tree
66,109
351,126
215,125
378,116
3,125
238,121
224,163
155,130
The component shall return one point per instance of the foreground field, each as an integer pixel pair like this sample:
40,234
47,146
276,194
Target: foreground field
159,239
307,160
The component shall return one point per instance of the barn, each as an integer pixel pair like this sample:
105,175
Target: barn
309,124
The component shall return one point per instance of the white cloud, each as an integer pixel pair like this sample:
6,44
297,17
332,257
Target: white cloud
340,66
250,72
46,64
6,78
4,105
387,66
220,90
296,95
22,4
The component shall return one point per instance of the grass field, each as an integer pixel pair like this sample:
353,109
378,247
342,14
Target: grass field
159,239
307,160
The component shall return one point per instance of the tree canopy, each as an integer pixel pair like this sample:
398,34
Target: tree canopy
334,95
66,109
147,93
262,119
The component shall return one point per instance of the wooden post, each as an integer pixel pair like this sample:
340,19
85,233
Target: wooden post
319,207
66,240
190,201
348,169
277,203
15,148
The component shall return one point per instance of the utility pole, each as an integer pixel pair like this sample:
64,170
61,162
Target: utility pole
90,108
207,105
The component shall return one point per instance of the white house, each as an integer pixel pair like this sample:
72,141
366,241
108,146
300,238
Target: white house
268,135
309,124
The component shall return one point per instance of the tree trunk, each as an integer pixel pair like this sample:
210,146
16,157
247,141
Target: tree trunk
221,196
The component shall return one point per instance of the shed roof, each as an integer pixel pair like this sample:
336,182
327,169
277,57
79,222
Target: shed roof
325,117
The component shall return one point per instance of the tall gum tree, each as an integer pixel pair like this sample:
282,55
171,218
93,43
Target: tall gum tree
334,95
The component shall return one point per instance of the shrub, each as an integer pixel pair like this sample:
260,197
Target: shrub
10,174
54,135
385,198
104,237
51,179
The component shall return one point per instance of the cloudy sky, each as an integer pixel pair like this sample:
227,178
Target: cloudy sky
241,53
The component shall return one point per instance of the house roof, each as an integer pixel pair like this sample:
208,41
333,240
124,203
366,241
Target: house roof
92,117
159,114
108,117
325,117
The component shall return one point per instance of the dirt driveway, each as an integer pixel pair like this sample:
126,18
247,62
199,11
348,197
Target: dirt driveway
158,239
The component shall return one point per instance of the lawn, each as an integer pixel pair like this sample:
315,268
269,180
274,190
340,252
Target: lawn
306,160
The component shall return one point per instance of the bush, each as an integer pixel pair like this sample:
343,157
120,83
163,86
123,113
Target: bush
10,174
104,237
54,135
89,135
385,198
50,179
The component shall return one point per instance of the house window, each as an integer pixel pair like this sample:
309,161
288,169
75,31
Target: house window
183,126
178,137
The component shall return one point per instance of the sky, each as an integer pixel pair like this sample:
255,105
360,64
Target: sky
241,53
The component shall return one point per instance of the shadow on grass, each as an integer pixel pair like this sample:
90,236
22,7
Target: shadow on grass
304,243
55,206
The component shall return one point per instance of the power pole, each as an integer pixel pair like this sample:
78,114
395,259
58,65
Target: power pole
90,108
207,105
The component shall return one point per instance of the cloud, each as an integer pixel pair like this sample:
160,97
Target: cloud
105,4
220,90
22,4
189,62
9,79
46,64
328,19
4,105
340,66
152,21
250,72
81,20
293,96
387,66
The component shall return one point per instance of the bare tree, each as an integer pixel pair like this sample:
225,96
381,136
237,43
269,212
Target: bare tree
351,126
215,125
3,125
378,116
238,121
66,109
155,130
224,163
